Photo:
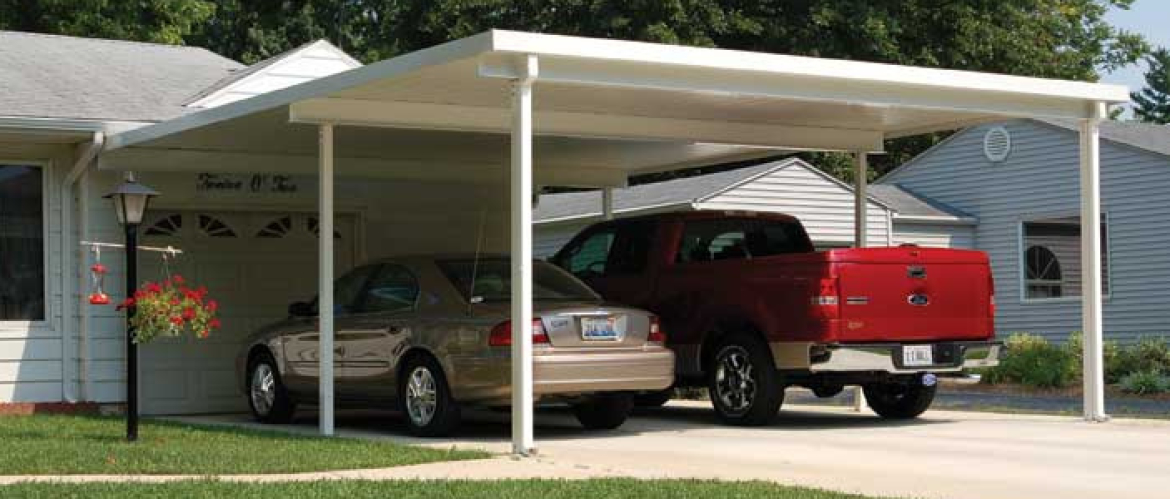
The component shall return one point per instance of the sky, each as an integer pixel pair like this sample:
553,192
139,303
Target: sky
1147,17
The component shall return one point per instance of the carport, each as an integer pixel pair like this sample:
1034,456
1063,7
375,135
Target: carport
585,112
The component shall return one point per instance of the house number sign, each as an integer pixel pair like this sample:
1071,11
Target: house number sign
257,183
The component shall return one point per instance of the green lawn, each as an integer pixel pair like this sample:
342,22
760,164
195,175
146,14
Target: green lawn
512,489
45,444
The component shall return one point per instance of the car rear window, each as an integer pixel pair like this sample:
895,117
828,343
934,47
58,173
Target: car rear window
493,281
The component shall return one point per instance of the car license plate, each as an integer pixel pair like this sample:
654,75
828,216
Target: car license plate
599,329
917,355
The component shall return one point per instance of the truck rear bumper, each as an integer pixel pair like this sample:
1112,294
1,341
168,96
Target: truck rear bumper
888,357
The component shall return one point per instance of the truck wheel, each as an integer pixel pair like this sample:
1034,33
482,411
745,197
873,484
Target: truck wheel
743,383
898,400
653,399
425,398
605,411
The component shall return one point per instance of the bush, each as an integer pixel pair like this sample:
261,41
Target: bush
1145,383
1032,361
1148,355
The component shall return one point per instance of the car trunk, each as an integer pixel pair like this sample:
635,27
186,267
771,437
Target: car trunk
913,294
587,325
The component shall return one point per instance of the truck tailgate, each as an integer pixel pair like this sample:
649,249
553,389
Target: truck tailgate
913,294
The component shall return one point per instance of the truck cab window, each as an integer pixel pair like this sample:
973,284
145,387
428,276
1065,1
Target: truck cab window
729,239
589,257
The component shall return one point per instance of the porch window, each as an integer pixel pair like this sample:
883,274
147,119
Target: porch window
22,243
1051,258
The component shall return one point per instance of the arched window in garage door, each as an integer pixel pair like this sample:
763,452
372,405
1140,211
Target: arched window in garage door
212,226
276,229
168,225
313,227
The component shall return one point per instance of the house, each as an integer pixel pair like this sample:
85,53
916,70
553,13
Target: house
1017,182
822,203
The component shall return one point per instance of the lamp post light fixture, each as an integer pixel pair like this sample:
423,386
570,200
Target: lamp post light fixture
130,203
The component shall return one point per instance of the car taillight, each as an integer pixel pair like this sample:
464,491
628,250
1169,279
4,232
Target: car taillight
827,300
501,335
656,335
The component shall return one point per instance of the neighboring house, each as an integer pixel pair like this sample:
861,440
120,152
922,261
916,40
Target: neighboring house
1018,179
58,95
822,203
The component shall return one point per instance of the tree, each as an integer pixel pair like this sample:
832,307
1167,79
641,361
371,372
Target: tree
1152,104
158,21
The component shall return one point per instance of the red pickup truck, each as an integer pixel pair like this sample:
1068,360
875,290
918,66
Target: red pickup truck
750,307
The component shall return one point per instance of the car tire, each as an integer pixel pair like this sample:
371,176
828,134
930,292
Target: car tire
425,398
899,400
267,396
605,411
653,399
743,383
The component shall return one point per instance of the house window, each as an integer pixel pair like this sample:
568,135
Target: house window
1052,258
22,243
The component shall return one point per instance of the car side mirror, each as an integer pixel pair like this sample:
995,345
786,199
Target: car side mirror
301,309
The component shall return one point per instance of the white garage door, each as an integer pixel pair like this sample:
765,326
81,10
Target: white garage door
254,265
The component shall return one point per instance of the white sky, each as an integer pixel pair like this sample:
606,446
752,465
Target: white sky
1150,18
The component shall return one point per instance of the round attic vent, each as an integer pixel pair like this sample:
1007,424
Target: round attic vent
997,144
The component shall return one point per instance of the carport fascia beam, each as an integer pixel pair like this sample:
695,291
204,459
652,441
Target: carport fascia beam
422,115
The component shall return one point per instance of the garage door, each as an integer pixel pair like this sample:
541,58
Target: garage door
254,265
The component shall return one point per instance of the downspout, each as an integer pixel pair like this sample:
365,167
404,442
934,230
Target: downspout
69,250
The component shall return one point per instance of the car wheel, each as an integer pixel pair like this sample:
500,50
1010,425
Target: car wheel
653,399
267,395
605,411
899,400
743,383
425,399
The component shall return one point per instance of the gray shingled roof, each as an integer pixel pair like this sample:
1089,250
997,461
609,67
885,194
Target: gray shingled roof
906,203
50,76
1155,138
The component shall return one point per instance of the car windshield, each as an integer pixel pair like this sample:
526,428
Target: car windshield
493,281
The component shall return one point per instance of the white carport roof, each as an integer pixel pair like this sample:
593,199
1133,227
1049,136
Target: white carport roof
604,109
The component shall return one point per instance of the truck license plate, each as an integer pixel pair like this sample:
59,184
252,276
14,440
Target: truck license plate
599,329
917,355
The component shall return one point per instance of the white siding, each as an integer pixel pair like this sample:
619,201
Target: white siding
934,235
822,205
547,239
310,63
1041,179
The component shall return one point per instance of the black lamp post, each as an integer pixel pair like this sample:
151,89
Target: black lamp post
130,201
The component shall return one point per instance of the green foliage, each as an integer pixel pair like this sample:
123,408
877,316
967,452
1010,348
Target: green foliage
1152,104
158,21
1145,383
1033,361
1147,355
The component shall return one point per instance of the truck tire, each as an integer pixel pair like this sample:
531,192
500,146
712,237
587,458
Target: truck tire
605,411
653,399
743,383
899,400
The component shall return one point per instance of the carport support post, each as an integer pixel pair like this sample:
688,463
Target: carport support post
325,279
521,177
607,203
1094,376
860,205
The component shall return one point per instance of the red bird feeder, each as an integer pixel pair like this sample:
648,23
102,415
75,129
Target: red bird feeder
98,296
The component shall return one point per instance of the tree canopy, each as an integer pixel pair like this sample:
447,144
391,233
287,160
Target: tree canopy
1152,104
1046,38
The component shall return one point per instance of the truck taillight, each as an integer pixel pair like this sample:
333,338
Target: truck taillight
991,295
501,335
656,335
827,300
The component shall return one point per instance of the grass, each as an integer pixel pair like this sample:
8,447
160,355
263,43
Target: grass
44,444
512,489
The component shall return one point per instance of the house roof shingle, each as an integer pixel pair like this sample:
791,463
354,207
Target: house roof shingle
909,204
52,76
1151,137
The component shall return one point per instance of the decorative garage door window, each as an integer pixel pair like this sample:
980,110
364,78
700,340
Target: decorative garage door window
22,243
277,229
313,227
214,227
167,226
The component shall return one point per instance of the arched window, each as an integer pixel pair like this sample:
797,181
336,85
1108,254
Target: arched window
277,228
166,226
1044,279
213,227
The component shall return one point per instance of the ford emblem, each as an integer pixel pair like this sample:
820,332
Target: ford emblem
919,300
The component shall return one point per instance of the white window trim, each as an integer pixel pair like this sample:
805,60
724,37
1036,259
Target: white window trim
1022,266
46,195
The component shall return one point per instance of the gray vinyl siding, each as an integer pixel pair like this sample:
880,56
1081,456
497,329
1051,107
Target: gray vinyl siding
934,235
547,239
1041,179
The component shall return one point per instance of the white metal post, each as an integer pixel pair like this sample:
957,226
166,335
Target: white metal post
1094,376
325,279
521,176
860,239
607,203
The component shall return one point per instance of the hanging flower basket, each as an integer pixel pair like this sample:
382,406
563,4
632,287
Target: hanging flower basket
171,309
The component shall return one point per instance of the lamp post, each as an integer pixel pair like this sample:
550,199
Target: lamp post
130,202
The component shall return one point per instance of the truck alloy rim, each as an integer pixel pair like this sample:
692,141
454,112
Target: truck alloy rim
735,380
421,396
263,389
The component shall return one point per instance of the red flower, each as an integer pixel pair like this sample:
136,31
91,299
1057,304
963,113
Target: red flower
176,320
214,323
127,303
189,313
204,333
174,301
178,279
212,306
153,287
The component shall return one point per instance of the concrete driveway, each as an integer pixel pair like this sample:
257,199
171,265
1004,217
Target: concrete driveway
952,455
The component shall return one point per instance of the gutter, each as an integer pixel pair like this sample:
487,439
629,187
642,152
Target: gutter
936,220
87,154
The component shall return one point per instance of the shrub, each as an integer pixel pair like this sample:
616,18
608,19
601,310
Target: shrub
1145,383
1032,361
1148,355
